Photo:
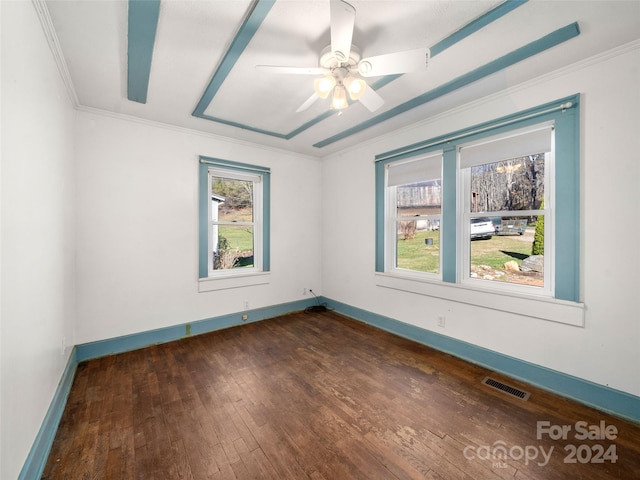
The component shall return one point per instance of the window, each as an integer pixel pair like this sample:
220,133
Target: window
234,219
497,205
414,203
503,184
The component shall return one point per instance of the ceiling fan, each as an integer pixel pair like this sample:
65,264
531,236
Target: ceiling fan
341,66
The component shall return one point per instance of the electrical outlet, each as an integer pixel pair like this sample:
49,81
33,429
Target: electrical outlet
245,317
304,291
441,321
246,304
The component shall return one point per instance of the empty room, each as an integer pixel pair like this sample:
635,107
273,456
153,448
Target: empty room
319,239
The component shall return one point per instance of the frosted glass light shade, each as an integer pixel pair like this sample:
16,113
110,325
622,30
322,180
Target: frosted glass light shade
339,98
355,87
324,85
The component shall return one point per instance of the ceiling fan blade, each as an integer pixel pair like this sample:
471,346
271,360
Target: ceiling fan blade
310,101
292,70
371,100
343,18
393,63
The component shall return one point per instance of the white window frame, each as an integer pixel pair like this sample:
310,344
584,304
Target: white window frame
259,274
561,300
392,219
256,224
464,223
464,240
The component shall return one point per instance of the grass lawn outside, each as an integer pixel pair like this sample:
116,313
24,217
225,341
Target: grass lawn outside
501,249
416,255
240,237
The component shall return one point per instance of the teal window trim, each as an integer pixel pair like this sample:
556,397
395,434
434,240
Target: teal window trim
449,225
567,211
565,114
204,197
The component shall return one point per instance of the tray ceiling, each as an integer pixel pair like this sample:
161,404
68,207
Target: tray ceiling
202,55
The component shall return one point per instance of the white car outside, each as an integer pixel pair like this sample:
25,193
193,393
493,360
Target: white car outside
482,228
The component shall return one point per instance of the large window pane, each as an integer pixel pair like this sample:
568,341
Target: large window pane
418,208
515,184
506,247
234,246
507,255
232,223
235,199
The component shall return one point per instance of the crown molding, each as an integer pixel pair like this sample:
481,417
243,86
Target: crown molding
54,45
192,131
506,93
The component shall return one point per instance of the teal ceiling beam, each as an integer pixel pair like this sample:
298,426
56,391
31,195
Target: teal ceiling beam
242,126
256,17
142,26
475,25
548,41
470,28
257,14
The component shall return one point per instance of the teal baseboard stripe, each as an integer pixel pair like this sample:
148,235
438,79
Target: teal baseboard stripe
37,458
603,398
110,346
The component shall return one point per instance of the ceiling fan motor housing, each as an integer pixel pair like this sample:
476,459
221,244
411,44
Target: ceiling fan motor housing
330,60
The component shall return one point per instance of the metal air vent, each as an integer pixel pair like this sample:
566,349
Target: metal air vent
503,387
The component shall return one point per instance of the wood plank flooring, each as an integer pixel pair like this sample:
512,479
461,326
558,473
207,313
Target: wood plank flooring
320,397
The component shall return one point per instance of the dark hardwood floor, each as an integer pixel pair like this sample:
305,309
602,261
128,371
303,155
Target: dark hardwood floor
319,396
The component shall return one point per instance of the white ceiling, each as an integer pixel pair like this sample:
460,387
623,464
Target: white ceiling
193,37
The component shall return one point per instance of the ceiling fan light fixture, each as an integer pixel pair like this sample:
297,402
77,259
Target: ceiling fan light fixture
324,85
339,100
355,87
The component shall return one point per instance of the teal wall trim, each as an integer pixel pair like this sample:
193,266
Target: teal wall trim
518,119
380,215
142,26
449,228
37,457
565,113
203,209
259,11
110,346
203,220
551,40
567,204
266,223
603,398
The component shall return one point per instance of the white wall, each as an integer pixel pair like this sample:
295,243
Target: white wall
38,232
607,350
137,227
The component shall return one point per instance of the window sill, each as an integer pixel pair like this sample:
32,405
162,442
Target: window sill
225,282
544,308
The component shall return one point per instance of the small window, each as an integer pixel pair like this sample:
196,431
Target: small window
234,224
234,220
